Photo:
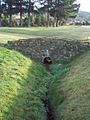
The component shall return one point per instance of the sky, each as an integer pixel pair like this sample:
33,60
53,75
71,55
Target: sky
85,5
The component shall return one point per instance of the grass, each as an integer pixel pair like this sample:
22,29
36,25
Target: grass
67,32
70,92
23,82
22,87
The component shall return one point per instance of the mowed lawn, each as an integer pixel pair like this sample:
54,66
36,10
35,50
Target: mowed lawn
67,32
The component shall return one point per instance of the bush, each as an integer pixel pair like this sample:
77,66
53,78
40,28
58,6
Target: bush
40,21
25,22
14,22
5,21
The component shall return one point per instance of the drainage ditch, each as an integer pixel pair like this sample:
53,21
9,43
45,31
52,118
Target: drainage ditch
48,108
47,104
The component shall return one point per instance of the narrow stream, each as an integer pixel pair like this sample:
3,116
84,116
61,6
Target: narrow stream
47,103
48,108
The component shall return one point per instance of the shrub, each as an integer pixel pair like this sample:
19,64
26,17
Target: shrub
5,21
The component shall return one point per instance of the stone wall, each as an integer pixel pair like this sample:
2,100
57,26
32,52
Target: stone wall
58,49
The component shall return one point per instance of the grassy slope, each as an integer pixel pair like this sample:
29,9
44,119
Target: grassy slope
69,32
70,95
22,87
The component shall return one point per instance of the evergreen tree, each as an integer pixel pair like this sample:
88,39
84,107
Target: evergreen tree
21,11
9,9
60,9
20,7
57,10
0,12
30,10
63,10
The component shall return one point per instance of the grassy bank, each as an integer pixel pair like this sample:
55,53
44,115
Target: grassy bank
22,87
70,89
67,32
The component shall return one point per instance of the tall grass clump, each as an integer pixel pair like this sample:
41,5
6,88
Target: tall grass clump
22,87
70,92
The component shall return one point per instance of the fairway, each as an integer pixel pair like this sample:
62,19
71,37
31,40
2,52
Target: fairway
67,32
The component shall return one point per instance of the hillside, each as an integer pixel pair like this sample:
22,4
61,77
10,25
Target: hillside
84,14
22,87
70,92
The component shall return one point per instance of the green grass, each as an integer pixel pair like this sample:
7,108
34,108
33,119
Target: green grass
22,87
67,32
70,89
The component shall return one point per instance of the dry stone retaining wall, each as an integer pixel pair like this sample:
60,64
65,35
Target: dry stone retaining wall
58,49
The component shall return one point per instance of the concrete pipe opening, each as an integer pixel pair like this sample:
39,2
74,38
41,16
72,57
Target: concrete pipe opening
47,60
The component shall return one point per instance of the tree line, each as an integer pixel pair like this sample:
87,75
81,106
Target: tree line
37,12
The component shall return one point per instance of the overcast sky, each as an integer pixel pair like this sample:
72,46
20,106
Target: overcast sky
85,5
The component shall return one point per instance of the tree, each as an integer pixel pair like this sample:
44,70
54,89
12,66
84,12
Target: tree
44,6
10,12
30,10
29,13
21,11
63,10
51,10
59,9
8,9
0,13
20,7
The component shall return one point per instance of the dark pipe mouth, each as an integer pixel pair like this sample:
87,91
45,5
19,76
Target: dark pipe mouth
47,60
